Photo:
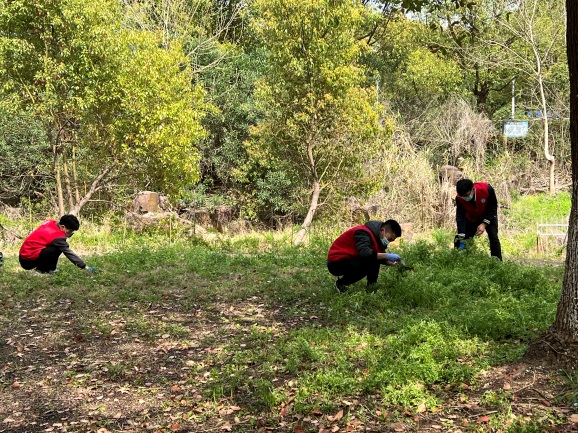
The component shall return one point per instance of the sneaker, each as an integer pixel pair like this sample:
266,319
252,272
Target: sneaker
52,271
339,287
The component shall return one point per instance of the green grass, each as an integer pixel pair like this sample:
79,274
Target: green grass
521,219
455,315
255,321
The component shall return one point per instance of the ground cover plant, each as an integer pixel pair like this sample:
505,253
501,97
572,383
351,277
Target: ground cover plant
247,334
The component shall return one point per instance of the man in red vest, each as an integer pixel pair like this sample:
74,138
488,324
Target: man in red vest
42,248
476,213
360,251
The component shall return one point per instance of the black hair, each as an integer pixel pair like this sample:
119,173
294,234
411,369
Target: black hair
463,186
70,222
393,226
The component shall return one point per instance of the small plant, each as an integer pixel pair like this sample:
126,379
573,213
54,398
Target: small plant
496,400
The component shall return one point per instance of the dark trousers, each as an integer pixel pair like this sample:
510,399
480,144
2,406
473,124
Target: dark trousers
45,262
492,231
354,270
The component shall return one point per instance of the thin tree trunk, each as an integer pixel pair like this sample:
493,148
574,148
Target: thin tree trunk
67,183
549,156
75,175
310,213
316,191
94,186
566,322
56,168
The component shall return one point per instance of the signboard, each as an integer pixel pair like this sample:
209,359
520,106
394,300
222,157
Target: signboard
515,128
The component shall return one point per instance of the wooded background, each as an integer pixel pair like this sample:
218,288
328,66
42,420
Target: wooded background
279,110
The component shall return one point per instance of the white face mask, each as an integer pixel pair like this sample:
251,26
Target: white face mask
384,242
468,197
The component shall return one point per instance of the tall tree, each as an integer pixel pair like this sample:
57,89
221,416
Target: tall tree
320,123
535,48
564,331
113,103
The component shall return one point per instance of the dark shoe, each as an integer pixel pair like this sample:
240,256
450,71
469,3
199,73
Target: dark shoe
340,287
371,287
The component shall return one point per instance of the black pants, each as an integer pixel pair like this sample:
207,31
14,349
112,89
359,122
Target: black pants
492,231
354,270
45,262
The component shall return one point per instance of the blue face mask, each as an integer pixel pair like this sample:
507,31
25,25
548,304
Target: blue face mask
468,197
384,242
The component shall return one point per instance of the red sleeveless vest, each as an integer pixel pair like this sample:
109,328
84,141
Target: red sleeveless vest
344,246
40,239
474,213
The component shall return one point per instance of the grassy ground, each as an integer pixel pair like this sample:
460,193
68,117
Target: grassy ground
247,334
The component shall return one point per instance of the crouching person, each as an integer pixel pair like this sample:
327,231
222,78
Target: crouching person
42,248
359,252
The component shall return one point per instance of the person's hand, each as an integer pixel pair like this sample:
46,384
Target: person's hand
481,229
90,268
394,258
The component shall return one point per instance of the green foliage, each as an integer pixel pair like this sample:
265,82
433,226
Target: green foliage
24,166
136,116
319,122
452,317
161,112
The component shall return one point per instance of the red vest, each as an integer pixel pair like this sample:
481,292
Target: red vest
344,246
40,239
474,213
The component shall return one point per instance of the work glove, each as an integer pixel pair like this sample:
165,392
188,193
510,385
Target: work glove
459,243
392,257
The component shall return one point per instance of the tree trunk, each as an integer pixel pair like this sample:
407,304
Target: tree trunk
549,156
565,325
67,183
310,213
57,175
94,186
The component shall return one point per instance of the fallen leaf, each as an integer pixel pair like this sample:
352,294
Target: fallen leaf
484,418
421,408
574,417
336,417
507,386
16,385
298,429
175,427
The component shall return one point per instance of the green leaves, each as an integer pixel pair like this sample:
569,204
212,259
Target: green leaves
318,119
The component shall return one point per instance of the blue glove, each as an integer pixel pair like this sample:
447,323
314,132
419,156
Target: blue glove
392,257
90,269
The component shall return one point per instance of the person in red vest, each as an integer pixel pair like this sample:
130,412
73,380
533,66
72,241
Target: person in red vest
359,252
476,213
42,248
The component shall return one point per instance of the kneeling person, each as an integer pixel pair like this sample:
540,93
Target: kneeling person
42,248
360,251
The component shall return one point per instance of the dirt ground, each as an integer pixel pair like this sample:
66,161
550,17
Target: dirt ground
66,368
